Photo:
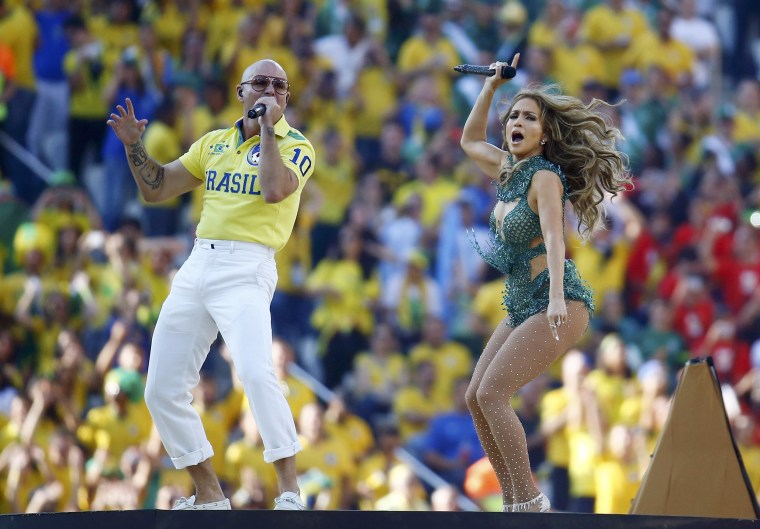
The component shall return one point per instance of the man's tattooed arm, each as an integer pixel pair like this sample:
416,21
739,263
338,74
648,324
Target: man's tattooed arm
148,173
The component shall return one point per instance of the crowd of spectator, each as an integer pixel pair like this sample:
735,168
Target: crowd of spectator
380,295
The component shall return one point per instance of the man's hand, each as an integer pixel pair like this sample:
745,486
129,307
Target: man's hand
126,125
273,109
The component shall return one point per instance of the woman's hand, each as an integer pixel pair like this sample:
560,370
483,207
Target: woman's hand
126,125
495,81
556,313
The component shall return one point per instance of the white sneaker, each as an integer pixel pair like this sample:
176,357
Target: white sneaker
188,504
289,501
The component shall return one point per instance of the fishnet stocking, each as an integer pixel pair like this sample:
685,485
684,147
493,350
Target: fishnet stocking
511,359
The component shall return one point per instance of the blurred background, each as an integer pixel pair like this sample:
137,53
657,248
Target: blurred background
382,306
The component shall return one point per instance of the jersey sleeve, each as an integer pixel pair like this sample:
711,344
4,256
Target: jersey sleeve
299,157
194,159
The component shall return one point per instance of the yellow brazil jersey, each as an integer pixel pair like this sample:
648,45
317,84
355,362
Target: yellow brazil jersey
611,392
297,393
649,50
604,273
576,65
602,26
554,404
18,30
372,479
105,429
435,197
377,93
115,38
452,361
583,459
85,99
543,35
233,208
751,459
616,486
327,465
416,51
378,373
746,127
488,303
354,433
411,400
242,457
336,181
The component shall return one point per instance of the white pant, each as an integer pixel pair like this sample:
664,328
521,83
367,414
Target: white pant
224,285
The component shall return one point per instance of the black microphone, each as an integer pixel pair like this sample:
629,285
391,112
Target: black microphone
507,72
257,111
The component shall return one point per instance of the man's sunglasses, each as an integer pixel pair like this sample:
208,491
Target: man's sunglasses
261,82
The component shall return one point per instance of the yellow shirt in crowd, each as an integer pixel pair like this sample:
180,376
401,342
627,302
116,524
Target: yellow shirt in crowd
602,26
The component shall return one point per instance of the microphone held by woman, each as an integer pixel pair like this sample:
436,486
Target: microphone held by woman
507,72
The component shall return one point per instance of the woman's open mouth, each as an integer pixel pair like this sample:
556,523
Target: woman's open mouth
517,137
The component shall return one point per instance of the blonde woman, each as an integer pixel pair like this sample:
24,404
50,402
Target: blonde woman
555,149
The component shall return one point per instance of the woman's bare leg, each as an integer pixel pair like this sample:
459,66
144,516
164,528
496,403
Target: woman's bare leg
498,338
528,351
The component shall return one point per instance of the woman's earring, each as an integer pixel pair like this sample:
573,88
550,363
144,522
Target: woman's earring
543,142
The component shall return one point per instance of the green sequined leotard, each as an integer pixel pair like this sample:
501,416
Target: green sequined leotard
512,254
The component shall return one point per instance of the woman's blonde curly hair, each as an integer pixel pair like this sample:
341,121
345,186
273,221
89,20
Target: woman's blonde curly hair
582,143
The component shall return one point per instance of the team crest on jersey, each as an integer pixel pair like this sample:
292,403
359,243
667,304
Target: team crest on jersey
253,155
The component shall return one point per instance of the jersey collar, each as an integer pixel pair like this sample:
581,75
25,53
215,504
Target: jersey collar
281,129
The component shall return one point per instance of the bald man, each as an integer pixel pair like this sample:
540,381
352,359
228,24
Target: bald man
253,174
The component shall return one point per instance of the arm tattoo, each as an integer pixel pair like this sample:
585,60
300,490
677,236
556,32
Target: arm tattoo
270,131
147,169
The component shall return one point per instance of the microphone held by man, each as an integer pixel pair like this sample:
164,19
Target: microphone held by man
257,111
507,72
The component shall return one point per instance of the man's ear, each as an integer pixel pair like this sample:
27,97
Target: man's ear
240,92
287,98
